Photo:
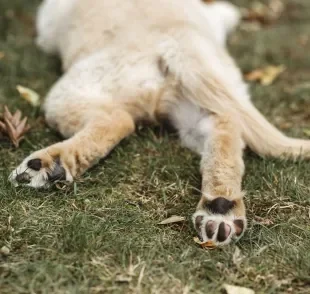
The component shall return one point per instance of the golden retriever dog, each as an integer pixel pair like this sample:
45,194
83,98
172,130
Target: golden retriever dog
142,60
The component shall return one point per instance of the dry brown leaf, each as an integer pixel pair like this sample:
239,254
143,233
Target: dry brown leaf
263,221
173,219
2,55
230,289
207,245
262,13
14,126
266,75
29,95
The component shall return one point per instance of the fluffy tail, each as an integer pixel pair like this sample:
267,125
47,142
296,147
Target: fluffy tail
212,89
265,139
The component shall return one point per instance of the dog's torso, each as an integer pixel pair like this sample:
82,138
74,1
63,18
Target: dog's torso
82,28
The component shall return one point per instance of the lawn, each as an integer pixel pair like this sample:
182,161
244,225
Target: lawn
101,234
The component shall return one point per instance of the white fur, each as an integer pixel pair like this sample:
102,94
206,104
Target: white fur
227,219
193,123
223,17
51,19
111,64
93,80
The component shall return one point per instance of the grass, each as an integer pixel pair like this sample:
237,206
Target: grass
100,235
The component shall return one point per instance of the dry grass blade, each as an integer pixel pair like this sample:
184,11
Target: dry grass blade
231,289
14,126
263,221
172,219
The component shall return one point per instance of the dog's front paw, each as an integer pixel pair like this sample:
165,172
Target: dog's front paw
40,170
220,221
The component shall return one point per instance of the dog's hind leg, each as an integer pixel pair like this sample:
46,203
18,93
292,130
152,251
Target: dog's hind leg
220,214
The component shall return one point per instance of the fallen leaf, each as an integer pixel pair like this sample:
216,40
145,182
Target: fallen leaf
266,75
14,126
172,219
263,221
2,55
262,13
29,95
230,289
254,75
271,73
207,245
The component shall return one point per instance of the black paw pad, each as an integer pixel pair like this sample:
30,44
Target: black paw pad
220,205
23,178
35,164
58,173
239,224
198,222
223,232
210,229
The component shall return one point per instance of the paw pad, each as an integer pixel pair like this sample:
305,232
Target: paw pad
35,164
220,205
220,229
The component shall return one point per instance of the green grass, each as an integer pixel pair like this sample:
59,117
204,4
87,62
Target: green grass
100,235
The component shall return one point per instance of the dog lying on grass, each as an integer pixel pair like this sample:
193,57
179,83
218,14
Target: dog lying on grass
142,60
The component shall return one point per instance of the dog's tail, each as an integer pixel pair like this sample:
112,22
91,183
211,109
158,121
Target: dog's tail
211,89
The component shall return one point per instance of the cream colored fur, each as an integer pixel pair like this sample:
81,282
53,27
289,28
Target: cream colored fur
126,61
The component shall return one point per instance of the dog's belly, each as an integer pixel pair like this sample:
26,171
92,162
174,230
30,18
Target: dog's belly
131,81
193,123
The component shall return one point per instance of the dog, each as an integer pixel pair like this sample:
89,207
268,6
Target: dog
143,60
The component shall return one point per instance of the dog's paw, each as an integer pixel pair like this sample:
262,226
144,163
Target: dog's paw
40,170
218,222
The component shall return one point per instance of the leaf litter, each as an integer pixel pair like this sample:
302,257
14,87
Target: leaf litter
263,14
206,245
266,75
29,95
13,126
